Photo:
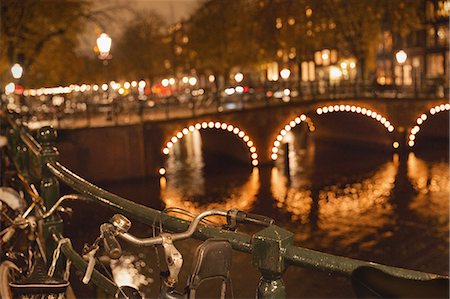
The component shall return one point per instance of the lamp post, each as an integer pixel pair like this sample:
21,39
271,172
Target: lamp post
17,71
285,74
401,57
104,43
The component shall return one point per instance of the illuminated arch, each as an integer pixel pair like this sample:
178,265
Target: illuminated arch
296,121
214,125
422,118
328,109
357,109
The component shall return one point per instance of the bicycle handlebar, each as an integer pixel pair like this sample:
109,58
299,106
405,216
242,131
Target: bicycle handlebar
61,200
175,237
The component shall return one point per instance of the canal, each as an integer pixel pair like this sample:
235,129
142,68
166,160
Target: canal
340,198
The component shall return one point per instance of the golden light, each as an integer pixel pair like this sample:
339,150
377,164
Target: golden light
142,84
218,125
411,143
162,171
238,77
274,156
104,43
17,71
10,87
401,56
127,85
285,73
395,144
192,81
165,82
133,83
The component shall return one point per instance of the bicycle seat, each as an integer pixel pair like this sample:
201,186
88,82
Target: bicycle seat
369,282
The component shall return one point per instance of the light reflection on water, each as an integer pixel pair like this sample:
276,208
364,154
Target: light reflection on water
368,205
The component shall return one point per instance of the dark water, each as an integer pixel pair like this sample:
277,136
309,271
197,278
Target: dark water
342,199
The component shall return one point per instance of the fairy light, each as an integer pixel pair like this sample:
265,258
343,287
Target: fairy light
214,125
422,118
293,123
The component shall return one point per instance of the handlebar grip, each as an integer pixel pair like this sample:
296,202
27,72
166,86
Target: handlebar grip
258,219
110,243
235,216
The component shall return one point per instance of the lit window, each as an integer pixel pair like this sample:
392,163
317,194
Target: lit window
435,65
442,35
308,73
431,37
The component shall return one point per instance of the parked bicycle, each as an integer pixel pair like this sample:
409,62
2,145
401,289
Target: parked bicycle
33,247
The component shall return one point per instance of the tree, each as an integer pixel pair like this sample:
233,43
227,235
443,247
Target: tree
360,23
143,49
43,37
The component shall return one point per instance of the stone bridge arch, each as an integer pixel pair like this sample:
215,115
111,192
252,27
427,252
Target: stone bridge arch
234,130
320,110
422,119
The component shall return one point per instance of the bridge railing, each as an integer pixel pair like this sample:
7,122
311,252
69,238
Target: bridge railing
272,249
110,108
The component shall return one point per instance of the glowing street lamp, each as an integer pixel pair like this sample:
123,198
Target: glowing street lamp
239,77
285,73
401,56
104,45
17,71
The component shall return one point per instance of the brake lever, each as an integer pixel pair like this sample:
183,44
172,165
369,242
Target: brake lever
90,257
174,259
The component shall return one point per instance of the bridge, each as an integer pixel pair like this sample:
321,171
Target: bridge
252,135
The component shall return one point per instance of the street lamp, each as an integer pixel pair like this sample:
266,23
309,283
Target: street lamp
104,46
285,73
239,77
17,71
401,57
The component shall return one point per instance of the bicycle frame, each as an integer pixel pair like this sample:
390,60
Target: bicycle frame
272,248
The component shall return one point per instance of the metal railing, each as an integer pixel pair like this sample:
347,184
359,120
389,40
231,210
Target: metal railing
272,249
111,108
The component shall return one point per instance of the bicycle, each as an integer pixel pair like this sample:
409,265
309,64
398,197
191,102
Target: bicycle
24,270
272,249
212,258
213,261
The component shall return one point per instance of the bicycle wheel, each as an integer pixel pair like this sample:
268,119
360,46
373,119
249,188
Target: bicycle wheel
8,271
